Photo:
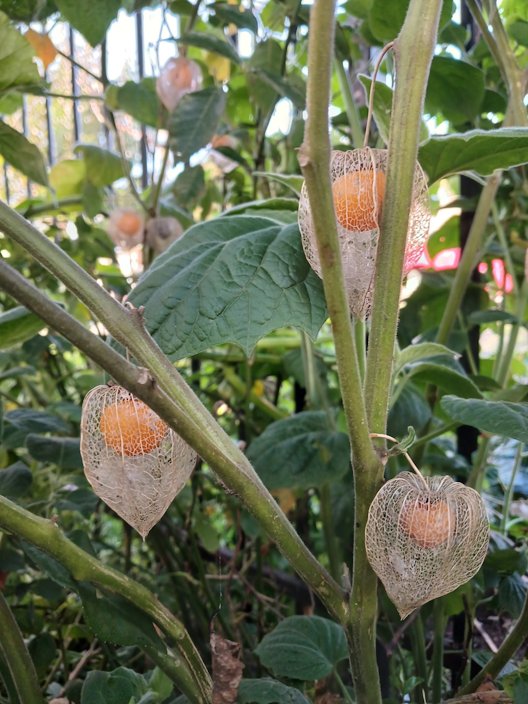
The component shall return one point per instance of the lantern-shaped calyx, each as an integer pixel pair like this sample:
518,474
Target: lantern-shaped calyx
425,537
126,227
178,77
358,189
135,463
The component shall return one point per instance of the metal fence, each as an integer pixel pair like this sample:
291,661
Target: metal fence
73,110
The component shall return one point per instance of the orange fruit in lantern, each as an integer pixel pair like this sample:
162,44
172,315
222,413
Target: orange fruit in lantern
358,197
129,222
131,428
428,523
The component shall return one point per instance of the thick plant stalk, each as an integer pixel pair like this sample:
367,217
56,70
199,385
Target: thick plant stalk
16,656
413,51
170,397
194,679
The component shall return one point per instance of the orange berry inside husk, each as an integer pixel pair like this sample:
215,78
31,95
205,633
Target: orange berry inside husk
358,197
131,428
129,223
429,523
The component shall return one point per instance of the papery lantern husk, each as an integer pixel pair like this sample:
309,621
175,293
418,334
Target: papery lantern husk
425,536
134,462
358,186
178,77
125,228
162,232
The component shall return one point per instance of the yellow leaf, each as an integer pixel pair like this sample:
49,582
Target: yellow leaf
219,66
42,45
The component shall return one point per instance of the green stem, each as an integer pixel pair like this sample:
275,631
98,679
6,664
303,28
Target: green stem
506,359
417,635
16,656
46,535
174,401
360,334
476,475
350,104
413,51
332,547
438,651
469,258
314,158
509,491
507,650
260,402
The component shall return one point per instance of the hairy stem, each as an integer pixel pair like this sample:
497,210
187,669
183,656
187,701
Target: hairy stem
18,660
413,51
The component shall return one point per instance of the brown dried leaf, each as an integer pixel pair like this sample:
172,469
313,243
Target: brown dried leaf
227,669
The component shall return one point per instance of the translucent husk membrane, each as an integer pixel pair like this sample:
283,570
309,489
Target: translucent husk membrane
358,185
425,537
134,462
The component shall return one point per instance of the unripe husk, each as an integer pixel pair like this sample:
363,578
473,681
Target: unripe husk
425,537
358,183
134,462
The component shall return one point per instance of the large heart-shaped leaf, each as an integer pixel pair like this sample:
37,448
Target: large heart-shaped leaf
229,280
478,150
496,417
300,452
303,648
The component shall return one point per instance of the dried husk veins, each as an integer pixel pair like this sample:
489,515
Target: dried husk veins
358,185
139,477
425,537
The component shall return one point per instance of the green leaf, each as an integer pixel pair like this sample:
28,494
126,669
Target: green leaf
68,177
477,150
121,686
519,31
422,350
507,561
455,89
103,167
27,10
233,14
266,57
17,68
512,593
291,181
268,691
64,452
383,108
481,317
447,374
496,417
18,325
15,480
232,279
288,87
211,42
410,408
137,99
116,620
386,18
49,565
20,422
304,648
195,120
300,452
22,154
267,204
90,17
446,237
189,185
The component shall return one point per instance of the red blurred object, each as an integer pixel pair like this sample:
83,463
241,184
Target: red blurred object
449,259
